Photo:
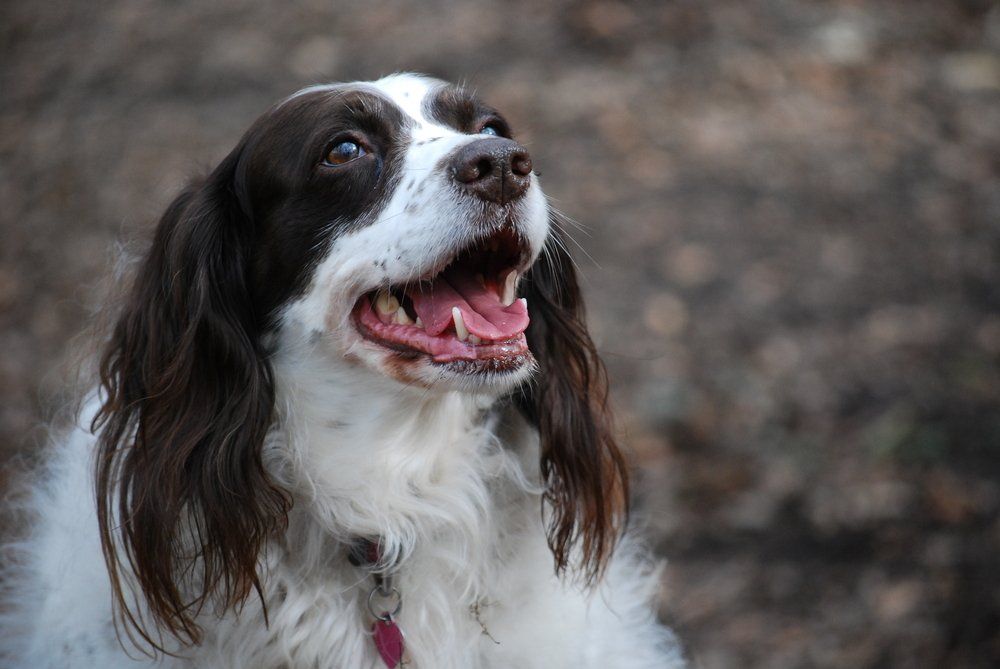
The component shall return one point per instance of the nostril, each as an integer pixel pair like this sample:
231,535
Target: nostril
471,170
520,164
484,166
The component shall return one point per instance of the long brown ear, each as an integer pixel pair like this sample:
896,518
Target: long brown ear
585,473
183,500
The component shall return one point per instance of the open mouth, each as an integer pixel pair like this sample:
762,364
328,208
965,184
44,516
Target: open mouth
467,313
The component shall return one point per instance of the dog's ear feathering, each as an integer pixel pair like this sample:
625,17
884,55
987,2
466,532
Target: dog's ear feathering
187,401
585,473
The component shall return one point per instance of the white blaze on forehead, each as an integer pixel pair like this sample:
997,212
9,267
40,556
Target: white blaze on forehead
412,93
409,91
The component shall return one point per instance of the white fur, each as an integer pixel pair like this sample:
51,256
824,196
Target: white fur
449,482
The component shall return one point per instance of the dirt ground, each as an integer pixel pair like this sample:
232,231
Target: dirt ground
790,232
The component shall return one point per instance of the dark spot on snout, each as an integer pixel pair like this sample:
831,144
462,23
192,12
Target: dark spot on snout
495,169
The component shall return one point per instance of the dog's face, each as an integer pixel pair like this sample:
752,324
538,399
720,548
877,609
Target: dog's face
396,219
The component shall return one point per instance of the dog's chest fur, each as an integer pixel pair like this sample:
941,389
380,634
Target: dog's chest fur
444,483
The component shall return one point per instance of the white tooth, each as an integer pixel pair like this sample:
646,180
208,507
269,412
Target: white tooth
473,339
419,322
460,330
525,301
386,303
509,289
402,317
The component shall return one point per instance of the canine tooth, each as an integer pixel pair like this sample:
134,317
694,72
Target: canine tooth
473,339
525,301
386,303
419,323
509,288
403,318
460,330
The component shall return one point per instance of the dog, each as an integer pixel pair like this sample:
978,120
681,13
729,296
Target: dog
348,415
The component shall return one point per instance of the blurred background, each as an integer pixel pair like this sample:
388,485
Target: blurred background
790,236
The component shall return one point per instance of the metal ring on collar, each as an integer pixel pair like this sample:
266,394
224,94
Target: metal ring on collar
385,616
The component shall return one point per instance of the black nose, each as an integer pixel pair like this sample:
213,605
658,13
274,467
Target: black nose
496,169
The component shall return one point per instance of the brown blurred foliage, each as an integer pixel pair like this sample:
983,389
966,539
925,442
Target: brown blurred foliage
789,225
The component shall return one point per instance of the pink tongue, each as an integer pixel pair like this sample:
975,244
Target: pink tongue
482,312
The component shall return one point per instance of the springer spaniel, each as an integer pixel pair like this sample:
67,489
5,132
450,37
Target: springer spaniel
349,416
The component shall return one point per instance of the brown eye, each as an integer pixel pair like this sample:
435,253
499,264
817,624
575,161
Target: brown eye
344,152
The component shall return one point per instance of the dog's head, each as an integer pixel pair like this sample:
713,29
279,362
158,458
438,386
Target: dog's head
406,217
398,224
